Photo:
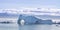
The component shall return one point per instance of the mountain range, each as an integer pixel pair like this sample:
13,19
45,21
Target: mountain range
38,16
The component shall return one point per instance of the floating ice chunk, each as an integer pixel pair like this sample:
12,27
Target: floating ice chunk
22,22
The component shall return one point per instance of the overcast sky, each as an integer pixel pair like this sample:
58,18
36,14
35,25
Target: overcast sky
29,3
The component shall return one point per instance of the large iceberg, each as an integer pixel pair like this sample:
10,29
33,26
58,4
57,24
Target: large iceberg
29,19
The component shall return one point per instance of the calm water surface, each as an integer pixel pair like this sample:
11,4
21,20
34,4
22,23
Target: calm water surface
28,27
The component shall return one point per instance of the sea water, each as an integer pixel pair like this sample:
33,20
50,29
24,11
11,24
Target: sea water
28,27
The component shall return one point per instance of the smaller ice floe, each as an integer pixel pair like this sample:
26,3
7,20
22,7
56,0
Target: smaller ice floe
22,22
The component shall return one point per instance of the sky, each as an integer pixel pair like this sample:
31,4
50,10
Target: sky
17,4
29,3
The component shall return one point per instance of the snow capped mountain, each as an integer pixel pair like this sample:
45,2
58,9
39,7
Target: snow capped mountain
33,11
